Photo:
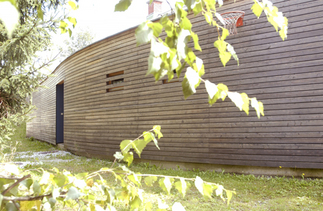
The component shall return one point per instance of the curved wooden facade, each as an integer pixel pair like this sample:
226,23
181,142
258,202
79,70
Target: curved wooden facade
286,76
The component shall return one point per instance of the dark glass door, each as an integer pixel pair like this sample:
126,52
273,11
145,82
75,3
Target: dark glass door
59,113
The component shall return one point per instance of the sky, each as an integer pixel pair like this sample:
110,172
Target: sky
100,18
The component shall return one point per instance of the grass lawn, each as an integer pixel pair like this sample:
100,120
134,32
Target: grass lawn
253,193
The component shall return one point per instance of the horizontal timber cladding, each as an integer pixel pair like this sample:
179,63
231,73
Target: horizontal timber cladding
107,97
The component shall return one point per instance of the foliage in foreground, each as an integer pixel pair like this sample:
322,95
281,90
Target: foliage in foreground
253,192
25,29
41,190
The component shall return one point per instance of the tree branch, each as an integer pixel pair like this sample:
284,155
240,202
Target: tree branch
25,198
14,184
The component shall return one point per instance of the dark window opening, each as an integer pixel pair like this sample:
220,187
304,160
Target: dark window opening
165,81
117,80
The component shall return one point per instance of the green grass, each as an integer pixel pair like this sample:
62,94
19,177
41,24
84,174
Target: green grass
253,192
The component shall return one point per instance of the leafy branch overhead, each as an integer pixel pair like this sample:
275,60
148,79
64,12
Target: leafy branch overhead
173,53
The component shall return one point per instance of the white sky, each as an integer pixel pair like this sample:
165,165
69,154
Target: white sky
100,18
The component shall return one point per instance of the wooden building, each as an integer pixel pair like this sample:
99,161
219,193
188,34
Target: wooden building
106,97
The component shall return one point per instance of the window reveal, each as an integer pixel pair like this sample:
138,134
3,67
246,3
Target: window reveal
115,82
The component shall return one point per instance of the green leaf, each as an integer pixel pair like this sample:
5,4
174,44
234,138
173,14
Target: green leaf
196,41
190,4
197,8
199,184
225,57
166,184
245,106
157,129
27,183
118,155
125,146
211,88
220,45
139,145
208,17
186,24
257,8
207,190
135,179
14,191
221,93
149,181
187,91
63,24
181,186
199,66
52,202
73,193
122,5
219,191
211,4
156,27
229,195
258,106
190,81
9,15
60,179
149,136
28,205
36,188
181,43
45,178
153,64
237,99
128,157
135,203
10,206
261,108
225,33
148,206
168,25
179,69
40,13
73,5
72,20
232,52
283,33
144,33
158,48
190,56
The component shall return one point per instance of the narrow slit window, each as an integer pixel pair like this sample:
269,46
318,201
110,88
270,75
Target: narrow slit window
165,81
115,82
